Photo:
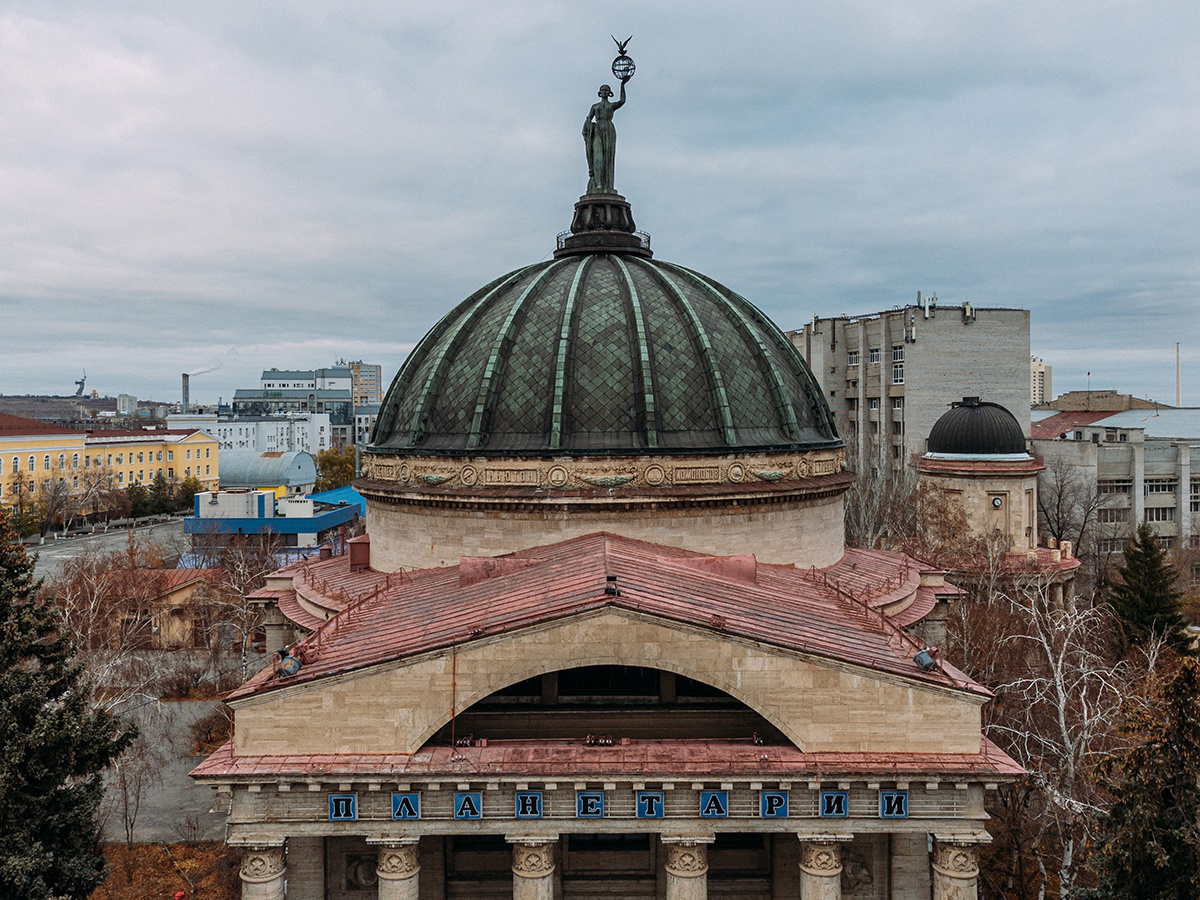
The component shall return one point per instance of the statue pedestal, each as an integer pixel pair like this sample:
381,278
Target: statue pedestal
602,223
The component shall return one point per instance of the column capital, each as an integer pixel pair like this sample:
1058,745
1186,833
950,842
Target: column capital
261,863
821,857
687,854
397,861
955,857
533,854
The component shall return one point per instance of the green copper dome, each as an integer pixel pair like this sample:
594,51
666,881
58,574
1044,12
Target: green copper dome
603,353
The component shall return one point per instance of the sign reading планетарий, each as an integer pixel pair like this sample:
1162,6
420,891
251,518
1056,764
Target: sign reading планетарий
647,804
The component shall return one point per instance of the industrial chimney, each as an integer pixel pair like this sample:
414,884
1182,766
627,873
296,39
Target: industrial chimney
184,406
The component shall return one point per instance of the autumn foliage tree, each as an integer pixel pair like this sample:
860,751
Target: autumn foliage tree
55,745
335,468
1151,846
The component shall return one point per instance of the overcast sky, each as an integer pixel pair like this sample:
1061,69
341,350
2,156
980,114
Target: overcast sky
238,185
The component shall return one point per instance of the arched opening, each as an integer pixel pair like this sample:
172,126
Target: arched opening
610,702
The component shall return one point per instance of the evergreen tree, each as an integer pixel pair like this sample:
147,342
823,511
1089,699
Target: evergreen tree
54,745
161,500
1152,851
1145,600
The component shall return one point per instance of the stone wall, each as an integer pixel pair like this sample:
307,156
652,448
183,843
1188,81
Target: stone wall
803,532
820,705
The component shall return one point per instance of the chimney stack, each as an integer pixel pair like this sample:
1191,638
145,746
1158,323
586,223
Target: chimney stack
183,408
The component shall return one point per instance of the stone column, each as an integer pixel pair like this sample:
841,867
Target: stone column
687,865
821,866
533,866
262,871
955,870
397,868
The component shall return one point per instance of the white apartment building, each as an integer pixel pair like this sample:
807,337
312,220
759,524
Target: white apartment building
1144,464
308,432
1039,381
890,375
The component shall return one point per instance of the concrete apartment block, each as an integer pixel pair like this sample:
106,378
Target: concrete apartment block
890,375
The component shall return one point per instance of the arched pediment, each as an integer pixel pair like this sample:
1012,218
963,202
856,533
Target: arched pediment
818,704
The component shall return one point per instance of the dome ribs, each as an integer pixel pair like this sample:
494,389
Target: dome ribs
494,371
390,410
561,358
818,407
437,371
651,417
779,392
700,339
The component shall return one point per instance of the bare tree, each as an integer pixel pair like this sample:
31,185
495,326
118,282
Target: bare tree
1058,704
1067,503
106,600
244,563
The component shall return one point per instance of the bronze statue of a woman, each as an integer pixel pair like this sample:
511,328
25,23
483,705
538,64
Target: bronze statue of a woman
600,140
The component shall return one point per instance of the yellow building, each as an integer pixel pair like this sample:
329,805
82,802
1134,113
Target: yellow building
138,457
58,472
33,455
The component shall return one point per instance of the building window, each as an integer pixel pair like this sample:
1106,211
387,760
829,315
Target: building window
1119,486
873,355
206,449
897,373
189,454
852,358
1108,516
120,459
1160,514
206,471
158,456
897,427
62,461
898,353
16,464
170,473
33,464
188,472
120,478
1123,436
874,428
897,403
852,403
1111,545
1166,541
75,461
1160,485
46,462
170,456
873,403
1195,495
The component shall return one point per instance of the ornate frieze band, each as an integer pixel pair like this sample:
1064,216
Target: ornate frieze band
618,472
261,864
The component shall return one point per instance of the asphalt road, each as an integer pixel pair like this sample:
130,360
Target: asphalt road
53,554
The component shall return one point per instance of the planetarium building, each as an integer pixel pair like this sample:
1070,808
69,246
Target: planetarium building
603,638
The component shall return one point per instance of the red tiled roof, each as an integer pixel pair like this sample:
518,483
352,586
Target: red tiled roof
12,426
1053,427
831,613
648,759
